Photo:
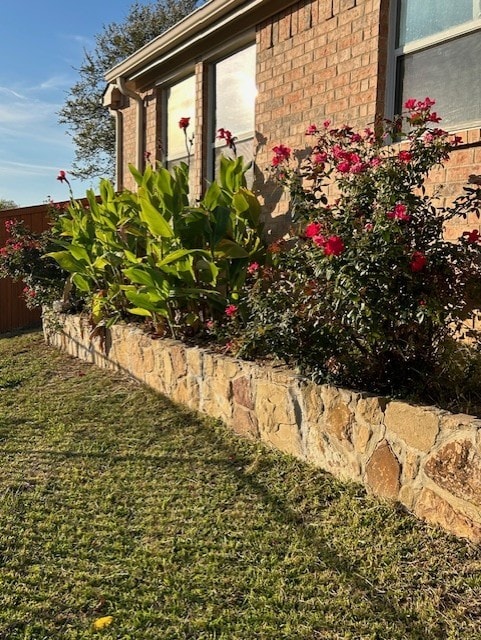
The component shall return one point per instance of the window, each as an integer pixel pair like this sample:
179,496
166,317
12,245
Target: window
234,98
180,104
437,53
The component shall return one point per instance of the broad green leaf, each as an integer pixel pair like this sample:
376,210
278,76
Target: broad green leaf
229,249
154,220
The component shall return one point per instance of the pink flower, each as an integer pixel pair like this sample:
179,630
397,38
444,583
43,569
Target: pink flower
282,153
405,156
344,166
312,229
319,240
311,130
210,324
326,124
472,236
357,167
253,267
29,292
62,176
320,158
231,310
9,224
356,137
368,226
418,261
399,213
456,140
338,152
375,162
410,104
147,155
334,246
184,123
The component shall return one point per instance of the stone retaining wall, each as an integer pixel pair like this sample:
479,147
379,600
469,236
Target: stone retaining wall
427,459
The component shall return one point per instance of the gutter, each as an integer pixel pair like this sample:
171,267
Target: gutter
202,22
195,22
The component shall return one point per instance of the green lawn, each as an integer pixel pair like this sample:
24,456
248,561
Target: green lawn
114,502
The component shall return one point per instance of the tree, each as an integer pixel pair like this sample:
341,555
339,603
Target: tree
89,123
7,204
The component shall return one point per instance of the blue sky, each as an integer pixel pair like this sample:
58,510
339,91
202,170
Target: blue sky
41,44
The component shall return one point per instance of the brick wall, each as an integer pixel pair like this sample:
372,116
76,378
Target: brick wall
317,60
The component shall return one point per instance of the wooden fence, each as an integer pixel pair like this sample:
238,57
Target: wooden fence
13,310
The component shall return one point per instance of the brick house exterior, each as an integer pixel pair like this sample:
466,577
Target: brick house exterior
314,60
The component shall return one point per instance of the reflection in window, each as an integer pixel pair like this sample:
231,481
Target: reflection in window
180,104
235,94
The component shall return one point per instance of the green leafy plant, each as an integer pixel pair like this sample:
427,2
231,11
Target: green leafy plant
151,254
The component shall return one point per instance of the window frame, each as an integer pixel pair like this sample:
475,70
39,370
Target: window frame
415,46
248,40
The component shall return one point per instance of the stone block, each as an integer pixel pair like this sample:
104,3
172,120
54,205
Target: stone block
242,392
383,472
245,423
456,468
435,510
338,418
418,427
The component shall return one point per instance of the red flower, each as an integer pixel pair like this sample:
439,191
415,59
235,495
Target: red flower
418,261
405,156
312,229
333,246
410,104
472,236
281,153
399,213
231,310
433,117
456,140
311,130
62,176
184,123
343,167
225,134
253,267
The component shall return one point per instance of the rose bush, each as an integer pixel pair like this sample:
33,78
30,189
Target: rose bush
22,259
369,292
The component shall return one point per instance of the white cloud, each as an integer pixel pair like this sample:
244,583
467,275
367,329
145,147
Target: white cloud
11,92
23,168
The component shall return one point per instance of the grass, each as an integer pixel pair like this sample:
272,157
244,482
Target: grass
114,502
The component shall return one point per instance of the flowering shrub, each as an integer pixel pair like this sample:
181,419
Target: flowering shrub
369,292
21,259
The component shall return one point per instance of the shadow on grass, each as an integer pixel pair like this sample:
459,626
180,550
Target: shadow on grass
232,456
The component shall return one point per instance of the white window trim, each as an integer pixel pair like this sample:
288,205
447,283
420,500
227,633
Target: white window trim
419,45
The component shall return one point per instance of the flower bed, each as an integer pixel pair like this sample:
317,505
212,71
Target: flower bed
427,459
